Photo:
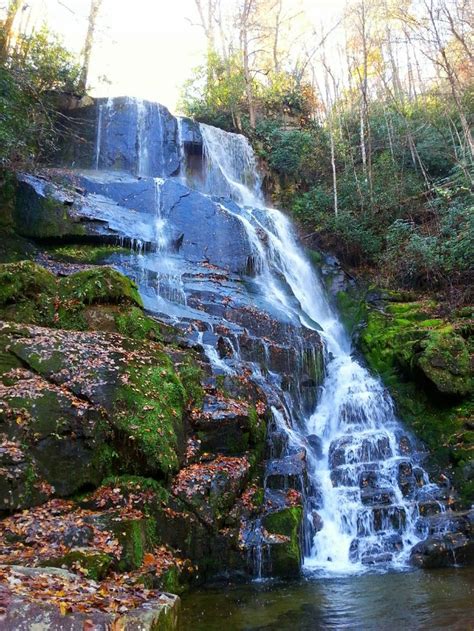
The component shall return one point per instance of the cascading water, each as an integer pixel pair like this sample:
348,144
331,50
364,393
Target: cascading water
356,510
344,450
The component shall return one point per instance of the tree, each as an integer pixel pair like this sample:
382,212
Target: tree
89,41
13,11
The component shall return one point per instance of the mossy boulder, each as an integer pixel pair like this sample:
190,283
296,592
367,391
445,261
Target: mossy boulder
101,285
88,404
29,293
444,359
283,529
60,435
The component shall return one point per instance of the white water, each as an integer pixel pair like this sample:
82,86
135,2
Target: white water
354,417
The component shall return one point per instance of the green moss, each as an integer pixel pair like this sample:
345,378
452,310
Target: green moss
101,285
95,565
286,555
425,363
43,217
258,497
352,309
136,536
85,253
135,483
170,581
30,293
149,412
106,459
133,323
445,361
258,430
191,377
26,287
315,257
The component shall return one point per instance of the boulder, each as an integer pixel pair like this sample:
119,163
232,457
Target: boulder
443,550
444,359
40,598
282,534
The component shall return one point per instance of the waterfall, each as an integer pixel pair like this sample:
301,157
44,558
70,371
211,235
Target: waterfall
355,493
143,162
231,166
357,470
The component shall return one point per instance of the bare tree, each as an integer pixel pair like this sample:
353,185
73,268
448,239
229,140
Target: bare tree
89,41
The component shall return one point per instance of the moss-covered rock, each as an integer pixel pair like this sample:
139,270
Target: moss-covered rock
94,564
101,285
425,361
91,404
443,357
30,293
283,528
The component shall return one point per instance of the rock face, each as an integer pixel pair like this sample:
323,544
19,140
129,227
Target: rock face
121,134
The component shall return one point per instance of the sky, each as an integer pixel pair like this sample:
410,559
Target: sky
145,48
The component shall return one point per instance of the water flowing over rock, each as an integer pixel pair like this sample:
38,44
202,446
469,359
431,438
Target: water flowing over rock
345,486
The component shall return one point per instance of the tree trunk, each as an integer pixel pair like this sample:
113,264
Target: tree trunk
14,8
86,53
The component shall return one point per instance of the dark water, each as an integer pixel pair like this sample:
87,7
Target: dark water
438,599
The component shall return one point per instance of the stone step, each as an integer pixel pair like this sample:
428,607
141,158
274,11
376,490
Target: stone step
380,518
285,473
449,521
351,450
371,551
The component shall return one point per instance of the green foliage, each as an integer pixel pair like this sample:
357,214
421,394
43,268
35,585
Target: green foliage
38,67
216,93
417,258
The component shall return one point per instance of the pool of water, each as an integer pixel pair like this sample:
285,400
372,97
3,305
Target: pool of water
437,599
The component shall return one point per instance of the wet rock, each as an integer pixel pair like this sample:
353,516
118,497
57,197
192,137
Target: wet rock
287,473
227,426
429,508
316,445
380,518
202,229
348,450
282,532
377,496
135,136
317,521
443,550
211,488
448,521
